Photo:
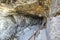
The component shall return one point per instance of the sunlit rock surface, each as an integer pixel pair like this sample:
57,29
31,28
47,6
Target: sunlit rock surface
34,7
20,17
53,28
55,7
11,26
7,27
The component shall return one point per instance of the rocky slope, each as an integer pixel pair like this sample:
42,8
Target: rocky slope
34,7
16,15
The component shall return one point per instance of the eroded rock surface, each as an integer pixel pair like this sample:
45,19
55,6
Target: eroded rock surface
16,15
7,27
34,7
11,26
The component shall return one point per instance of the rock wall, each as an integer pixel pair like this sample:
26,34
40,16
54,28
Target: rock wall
34,7
12,25
16,15
53,28
53,24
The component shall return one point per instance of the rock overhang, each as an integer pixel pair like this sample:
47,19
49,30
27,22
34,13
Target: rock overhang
33,7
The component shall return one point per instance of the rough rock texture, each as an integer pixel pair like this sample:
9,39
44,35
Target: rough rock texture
53,22
16,15
7,27
10,26
55,7
53,28
34,7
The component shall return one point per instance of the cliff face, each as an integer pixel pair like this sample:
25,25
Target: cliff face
34,7
54,7
17,15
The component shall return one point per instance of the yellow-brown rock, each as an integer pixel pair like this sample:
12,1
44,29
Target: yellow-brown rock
34,7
